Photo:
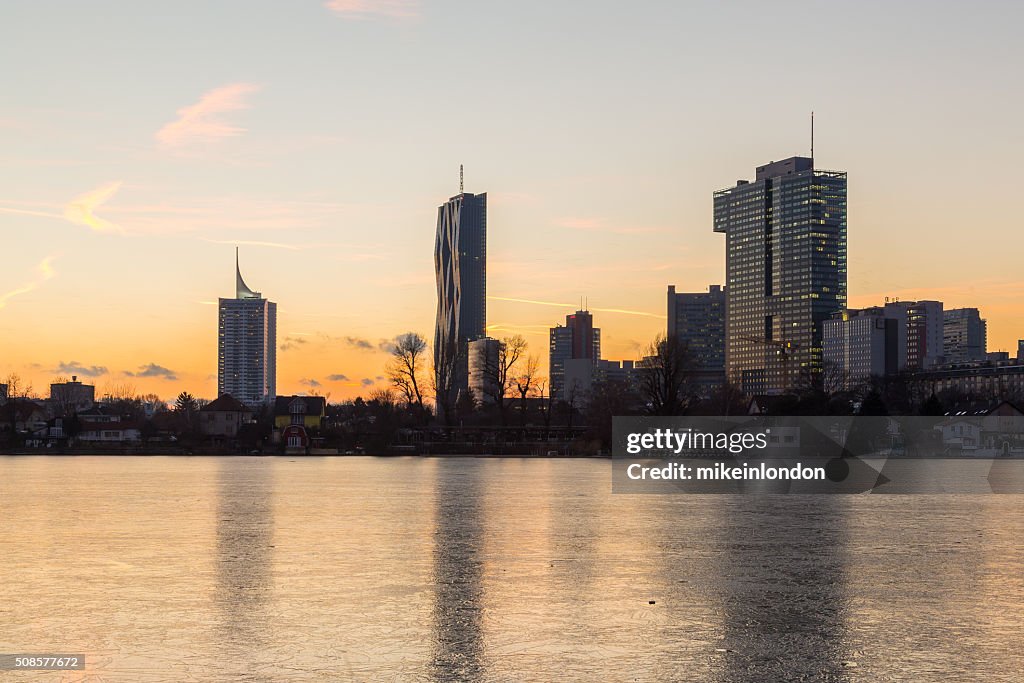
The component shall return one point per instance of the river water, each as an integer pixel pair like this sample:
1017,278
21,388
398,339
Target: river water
432,569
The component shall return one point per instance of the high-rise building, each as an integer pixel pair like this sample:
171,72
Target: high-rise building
920,331
697,320
484,371
578,339
965,335
1020,351
858,345
460,265
247,345
785,271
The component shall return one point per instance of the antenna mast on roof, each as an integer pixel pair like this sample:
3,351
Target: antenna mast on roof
460,179
812,138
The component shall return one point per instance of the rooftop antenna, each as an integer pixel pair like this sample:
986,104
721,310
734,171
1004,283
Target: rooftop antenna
812,137
460,179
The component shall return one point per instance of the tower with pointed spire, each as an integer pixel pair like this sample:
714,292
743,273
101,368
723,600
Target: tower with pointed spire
247,345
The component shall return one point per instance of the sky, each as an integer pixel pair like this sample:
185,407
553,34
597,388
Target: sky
141,142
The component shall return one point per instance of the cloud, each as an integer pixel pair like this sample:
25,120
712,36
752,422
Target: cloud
46,272
338,378
310,382
152,370
81,209
359,343
202,121
362,9
75,368
366,381
290,343
600,225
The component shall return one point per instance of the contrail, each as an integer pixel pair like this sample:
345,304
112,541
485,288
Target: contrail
564,305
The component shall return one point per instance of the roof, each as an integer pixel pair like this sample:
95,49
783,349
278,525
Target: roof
315,405
226,404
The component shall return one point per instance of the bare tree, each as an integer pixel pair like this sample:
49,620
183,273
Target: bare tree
526,379
17,390
509,352
405,367
665,376
445,375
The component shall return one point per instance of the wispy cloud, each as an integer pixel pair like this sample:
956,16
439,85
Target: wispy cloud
601,225
204,121
250,243
366,381
45,272
338,378
534,302
290,343
152,370
362,9
82,209
73,367
309,382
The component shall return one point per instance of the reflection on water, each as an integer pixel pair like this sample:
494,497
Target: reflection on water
458,573
782,588
244,556
337,569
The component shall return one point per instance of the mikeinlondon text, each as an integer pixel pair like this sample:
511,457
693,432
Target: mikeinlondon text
723,471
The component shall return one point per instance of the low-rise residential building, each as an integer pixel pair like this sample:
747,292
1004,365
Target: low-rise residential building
224,417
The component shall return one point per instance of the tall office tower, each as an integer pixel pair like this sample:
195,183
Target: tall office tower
484,371
785,270
964,336
578,339
921,330
247,345
858,345
1020,351
698,321
460,265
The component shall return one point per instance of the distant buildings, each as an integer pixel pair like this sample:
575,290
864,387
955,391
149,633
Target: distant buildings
698,321
965,335
581,375
920,331
484,370
247,345
1020,353
69,398
857,345
785,271
578,339
460,266
979,379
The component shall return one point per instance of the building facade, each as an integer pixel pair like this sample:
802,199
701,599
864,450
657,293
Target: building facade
460,267
697,320
920,330
70,398
247,346
785,271
857,345
965,335
578,339
484,370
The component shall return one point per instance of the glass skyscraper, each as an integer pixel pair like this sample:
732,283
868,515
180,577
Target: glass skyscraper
460,265
247,345
785,272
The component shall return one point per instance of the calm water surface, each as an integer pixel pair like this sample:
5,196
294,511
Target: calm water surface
364,569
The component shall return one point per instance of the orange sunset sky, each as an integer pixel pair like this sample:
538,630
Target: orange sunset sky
139,146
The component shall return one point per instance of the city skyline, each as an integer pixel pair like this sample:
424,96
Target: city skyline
122,189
